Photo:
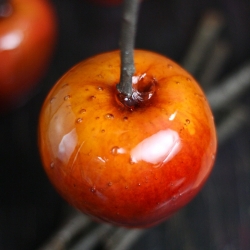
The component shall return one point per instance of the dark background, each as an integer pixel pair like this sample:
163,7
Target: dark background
219,217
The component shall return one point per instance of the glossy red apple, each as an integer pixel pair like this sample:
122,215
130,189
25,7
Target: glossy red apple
27,39
132,167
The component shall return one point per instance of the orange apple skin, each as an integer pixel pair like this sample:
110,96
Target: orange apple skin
102,157
27,39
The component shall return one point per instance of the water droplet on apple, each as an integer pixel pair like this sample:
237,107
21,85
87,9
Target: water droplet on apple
174,198
79,120
100,88
115,150
103,130
110,184
67,97
93,189
52,164
125,118
139,184
109,116
187,121
196,94
188,79
131,161
82,111
170,66
65,85
92,97
52,99
126,187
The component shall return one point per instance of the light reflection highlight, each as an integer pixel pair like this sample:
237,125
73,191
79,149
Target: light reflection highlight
172,117
11,40
67,146
158,148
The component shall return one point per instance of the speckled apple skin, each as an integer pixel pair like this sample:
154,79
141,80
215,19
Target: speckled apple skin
131,168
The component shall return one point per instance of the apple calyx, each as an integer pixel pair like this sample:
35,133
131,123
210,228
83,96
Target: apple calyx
143,89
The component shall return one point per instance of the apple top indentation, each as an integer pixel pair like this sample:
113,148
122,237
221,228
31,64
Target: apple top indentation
66,98
143,89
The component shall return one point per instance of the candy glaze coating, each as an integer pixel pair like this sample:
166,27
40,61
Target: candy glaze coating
131,168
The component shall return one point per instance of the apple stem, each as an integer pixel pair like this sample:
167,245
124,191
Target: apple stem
127,43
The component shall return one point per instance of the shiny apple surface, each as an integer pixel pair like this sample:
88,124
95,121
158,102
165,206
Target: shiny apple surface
131,167
27,38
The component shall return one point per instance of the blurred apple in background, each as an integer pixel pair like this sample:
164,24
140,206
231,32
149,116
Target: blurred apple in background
27,39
